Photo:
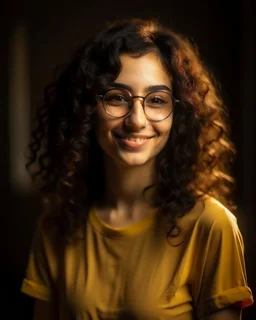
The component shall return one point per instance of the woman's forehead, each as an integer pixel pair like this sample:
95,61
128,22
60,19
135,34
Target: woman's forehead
144,72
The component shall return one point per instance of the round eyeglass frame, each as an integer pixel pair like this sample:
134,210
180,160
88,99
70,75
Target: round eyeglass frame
101,96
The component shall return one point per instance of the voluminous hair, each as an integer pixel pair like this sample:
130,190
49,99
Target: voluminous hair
66,159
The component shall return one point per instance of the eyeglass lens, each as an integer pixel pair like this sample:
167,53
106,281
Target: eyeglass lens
157,104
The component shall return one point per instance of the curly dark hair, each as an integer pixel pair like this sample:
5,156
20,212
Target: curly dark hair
67,159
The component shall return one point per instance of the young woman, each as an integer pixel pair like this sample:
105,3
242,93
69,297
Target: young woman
133,152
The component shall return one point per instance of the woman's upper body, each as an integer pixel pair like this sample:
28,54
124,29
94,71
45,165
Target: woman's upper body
111,270
130,138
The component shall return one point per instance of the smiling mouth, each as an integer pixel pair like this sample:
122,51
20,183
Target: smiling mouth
132,143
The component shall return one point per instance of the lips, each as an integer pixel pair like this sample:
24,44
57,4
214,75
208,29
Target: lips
132,142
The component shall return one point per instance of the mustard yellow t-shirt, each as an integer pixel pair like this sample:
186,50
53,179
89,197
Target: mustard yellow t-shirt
136,268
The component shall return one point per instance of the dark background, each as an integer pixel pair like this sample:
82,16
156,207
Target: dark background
225,34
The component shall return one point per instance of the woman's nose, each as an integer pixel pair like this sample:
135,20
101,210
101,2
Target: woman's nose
136,118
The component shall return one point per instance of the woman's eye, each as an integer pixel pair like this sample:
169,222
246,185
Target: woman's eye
117,99
157,100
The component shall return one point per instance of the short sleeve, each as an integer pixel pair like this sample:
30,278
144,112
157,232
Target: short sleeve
41,268
219,279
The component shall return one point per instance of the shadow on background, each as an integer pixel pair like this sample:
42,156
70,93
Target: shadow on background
50,31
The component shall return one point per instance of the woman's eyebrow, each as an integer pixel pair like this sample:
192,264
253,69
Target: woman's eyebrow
147,89
157,87
121,86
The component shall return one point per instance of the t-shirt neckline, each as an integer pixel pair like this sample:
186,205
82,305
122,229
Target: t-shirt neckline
132,229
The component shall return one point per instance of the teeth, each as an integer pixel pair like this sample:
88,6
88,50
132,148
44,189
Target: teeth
135,139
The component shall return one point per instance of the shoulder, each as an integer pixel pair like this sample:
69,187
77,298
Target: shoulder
206,214
216,213
216,222
209,219
47,238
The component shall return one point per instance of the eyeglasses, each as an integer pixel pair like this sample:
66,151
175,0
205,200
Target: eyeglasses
157,105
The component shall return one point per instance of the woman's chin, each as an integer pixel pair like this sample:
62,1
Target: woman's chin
134,161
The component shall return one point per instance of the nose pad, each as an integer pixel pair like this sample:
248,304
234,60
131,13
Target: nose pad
136,118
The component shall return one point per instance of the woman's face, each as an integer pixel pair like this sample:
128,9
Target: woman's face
119,137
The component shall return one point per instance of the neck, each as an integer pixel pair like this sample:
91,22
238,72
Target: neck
125,186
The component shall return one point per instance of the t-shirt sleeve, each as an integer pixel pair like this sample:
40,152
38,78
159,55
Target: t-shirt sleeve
219,273
41,269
